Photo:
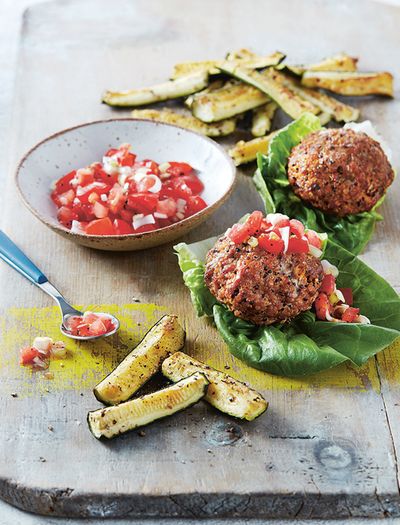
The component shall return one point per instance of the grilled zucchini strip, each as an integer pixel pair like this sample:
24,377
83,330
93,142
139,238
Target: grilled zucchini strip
164,338
340,112
268,82
339,62
262,119
212,86
216,129
172,89
227,102
244,152
115,420
324,118
224,392
212,66
353,84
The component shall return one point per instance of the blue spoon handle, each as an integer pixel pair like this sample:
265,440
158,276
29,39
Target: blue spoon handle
11,254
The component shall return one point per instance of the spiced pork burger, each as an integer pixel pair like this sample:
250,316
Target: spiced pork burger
340,171
266,270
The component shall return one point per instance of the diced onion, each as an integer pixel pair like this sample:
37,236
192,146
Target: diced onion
340,296
140,173
273,218
362,319
329,269
253,242
40,363
110,165
285,232
157,183
181,205
314,251
43,344
140,220
159,215
164,167
328,316
76,227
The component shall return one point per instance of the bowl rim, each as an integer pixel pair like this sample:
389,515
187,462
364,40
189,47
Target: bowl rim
132,236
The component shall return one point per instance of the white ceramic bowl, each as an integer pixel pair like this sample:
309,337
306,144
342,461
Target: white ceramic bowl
81,145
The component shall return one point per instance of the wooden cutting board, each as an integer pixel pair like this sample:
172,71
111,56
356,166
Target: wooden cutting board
328,445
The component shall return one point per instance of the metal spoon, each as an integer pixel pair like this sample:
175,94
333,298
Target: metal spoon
11,254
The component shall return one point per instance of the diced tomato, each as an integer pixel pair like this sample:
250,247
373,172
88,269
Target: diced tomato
328,284
179,168
142,202
73,322
322,306
296,227
313,239
84,211
126,215
350,314
194,205
176,188
66,216
111,152
100,227
265,225
297,245
128,159
122,227
83,192
83,329
27,355
116,198
67,198
253,222
282,223
241,232
271,244
97,327
193,182
101,176
64,184
348,295
84,177
238,233
149,164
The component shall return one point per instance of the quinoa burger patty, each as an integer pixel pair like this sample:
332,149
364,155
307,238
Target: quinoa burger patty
259,286
339,171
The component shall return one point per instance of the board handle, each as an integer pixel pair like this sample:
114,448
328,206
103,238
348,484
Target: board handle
12,255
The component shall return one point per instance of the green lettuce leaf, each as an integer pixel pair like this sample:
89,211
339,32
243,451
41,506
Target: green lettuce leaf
305,345
352,232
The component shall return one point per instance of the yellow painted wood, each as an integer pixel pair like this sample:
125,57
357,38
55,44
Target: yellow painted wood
88,362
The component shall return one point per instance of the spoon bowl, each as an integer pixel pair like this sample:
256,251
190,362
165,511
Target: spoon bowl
67,333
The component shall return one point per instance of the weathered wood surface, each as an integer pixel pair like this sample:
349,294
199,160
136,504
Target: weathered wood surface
328,446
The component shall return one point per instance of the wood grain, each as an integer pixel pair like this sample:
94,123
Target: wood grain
328,445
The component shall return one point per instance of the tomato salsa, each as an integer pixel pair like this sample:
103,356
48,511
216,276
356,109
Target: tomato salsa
89,324
122,195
